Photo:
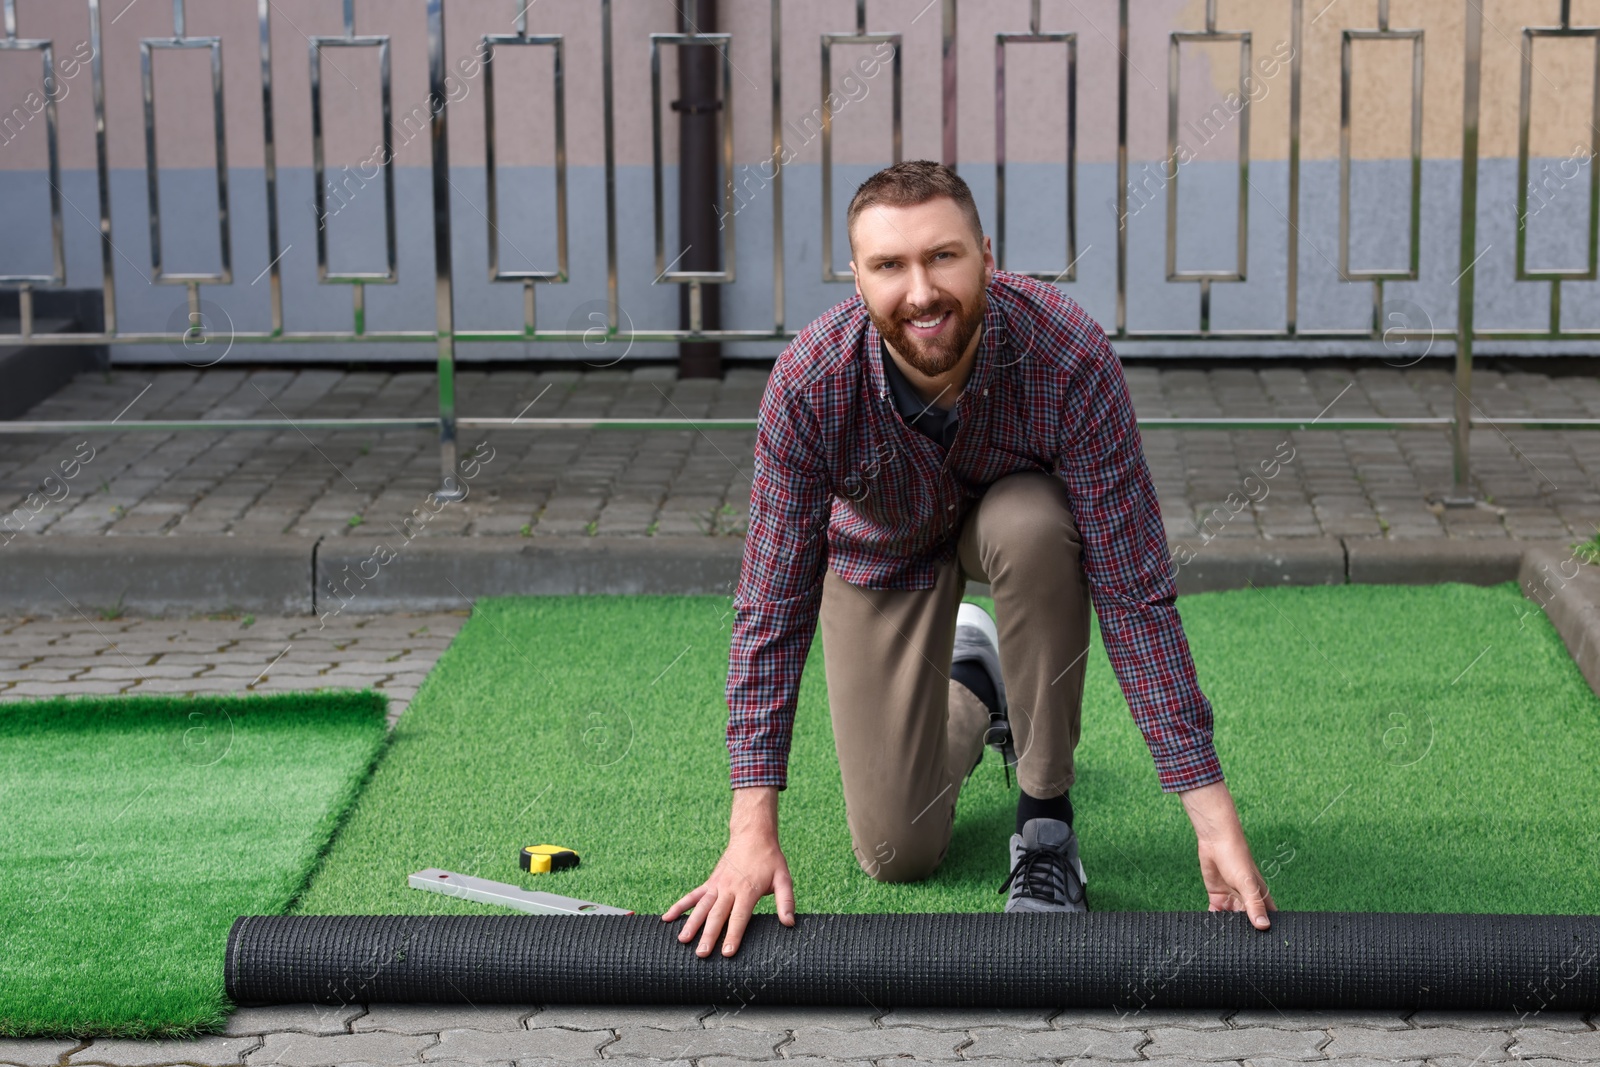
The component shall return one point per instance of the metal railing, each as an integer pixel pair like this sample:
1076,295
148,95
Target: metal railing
447,334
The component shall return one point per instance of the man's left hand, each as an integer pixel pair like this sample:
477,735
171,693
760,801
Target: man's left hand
1232,880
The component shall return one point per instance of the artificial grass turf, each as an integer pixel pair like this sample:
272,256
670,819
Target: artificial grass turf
1399,748
137,829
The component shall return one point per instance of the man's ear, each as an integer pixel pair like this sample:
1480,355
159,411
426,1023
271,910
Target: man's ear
988,262
856,278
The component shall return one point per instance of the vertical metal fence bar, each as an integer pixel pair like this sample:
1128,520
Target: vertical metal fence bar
828,274
611,165
220,147
439,129
730,247
1169,175
385,103
1242,247
151,160
559,74
1416,154
1292,255
319,204
949,67
58,250
1461,428
1346,91
97,74
58,272
1594,172
1000,150
776,35
896,118
1071,273
1122,168
269,163
657,178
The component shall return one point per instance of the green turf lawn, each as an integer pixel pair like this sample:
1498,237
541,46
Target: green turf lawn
1390,749
136,829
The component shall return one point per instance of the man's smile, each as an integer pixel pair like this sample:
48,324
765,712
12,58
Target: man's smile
928,327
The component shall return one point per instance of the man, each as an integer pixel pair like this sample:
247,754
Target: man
954,422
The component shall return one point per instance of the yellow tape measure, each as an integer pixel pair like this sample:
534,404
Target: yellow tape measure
542,859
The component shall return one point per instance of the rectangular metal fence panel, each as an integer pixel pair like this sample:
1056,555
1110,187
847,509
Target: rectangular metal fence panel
1035,35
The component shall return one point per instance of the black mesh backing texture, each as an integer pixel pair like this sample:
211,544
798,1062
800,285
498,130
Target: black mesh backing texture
1121,960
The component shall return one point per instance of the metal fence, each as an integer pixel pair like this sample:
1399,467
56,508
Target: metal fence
448,334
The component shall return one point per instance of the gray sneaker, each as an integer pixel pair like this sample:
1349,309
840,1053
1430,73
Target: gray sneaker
1046,874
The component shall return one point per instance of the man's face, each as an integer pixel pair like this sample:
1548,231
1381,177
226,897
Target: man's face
922,275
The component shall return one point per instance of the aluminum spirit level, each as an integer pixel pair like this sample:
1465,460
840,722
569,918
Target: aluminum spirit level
507,896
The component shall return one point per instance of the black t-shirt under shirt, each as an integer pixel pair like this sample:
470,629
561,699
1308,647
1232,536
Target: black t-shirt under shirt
937,424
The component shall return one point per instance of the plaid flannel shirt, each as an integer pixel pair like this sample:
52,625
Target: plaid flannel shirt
841,481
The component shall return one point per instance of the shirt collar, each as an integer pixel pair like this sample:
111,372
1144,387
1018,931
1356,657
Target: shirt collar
989,347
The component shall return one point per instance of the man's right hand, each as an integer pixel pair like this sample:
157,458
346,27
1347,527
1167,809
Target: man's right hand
751,867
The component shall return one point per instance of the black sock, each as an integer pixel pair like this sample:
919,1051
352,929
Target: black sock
970,673
1050,808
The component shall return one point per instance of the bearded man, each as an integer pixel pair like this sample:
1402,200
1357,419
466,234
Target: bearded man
952,423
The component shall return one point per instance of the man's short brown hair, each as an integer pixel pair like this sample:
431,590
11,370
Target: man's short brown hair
913,182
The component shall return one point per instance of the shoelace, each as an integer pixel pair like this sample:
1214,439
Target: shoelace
1044,876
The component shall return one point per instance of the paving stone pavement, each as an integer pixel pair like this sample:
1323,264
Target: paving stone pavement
1534,485
392,1034
240,654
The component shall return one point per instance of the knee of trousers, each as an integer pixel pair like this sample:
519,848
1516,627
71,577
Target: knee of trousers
893,851
1030,518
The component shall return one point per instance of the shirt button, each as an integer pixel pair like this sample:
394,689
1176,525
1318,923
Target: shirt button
949,507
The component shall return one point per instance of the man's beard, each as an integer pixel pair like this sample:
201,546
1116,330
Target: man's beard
935,355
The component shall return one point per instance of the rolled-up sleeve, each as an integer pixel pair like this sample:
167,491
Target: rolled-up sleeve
780,585
1126,560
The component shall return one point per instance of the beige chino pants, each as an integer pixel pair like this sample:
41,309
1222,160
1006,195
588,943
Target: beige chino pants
906,734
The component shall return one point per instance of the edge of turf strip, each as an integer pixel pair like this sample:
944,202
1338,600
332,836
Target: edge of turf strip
348,729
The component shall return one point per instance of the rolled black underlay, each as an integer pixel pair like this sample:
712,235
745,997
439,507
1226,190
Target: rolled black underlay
1127,961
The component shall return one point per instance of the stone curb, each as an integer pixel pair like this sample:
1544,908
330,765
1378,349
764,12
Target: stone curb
62,576
388,574
1240,564
1427,561
1569,591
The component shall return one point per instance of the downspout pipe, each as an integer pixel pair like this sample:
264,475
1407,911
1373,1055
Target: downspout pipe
699,190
